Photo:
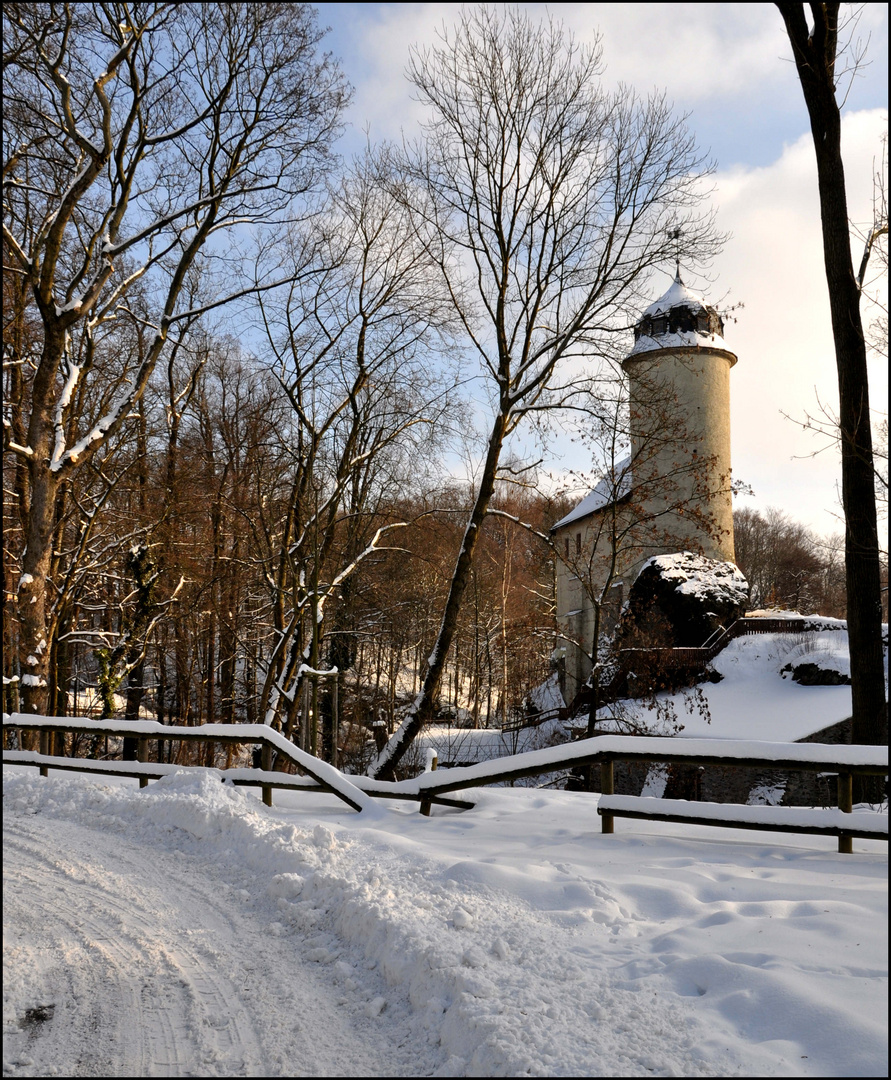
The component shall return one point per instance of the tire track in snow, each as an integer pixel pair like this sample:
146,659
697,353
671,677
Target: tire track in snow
115,933
193,977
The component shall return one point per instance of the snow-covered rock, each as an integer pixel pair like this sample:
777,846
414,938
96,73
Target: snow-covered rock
688,596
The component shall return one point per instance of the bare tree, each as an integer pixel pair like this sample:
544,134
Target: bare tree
785,564
139,142
544,201
353,343
816,51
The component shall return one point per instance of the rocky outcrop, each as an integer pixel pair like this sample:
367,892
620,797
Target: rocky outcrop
815,675
680,600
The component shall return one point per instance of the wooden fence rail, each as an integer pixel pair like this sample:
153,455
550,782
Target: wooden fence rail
358,792
845,761
841,823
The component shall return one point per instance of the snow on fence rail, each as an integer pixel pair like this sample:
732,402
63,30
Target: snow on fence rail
844,760
359,792
794,819
325,775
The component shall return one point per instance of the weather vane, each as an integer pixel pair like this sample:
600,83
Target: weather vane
676,234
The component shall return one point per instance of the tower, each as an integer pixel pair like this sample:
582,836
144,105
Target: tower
679,388
673,493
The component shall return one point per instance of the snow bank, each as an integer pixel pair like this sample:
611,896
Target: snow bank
513,940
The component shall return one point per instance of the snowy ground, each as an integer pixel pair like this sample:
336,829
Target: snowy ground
756,699
187,930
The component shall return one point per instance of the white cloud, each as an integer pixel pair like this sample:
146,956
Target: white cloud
383,39
774,264
697,51
726,62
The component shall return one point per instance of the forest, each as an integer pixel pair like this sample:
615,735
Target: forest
272,420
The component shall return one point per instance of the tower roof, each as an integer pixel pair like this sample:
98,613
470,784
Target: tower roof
678,318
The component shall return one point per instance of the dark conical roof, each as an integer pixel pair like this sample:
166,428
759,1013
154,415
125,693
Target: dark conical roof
679,317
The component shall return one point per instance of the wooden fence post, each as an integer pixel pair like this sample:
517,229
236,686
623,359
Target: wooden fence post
846,805
142,755
607,787
266,766
426,803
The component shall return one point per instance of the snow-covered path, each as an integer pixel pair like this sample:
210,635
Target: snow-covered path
151,963
188,930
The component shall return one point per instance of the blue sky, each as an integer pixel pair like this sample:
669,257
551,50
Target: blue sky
729,67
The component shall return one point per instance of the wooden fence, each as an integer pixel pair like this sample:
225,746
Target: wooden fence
433,787
321,775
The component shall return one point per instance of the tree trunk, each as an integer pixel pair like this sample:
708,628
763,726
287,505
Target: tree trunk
815,58
32,594
424,705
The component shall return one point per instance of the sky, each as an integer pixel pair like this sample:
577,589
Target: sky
187,930
729,68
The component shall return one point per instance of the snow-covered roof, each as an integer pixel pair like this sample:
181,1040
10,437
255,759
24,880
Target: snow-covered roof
608,489
680,318
678,295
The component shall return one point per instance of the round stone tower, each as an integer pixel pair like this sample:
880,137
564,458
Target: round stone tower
679,393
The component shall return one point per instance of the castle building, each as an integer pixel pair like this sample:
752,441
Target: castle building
669,490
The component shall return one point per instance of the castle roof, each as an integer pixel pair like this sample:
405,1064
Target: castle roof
609,489
679,318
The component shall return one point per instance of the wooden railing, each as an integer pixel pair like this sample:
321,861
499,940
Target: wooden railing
842,822
846,761
434,786
721,638
745,626
518,723
356,792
